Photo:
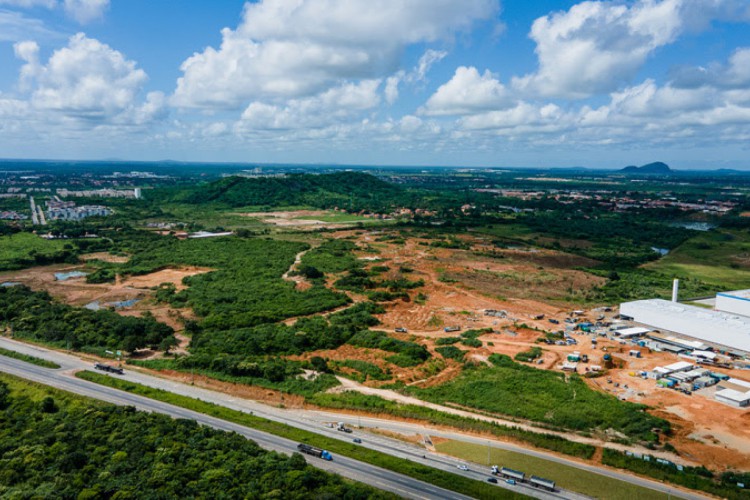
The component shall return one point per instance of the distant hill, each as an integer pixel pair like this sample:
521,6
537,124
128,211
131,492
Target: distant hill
655,168
351,190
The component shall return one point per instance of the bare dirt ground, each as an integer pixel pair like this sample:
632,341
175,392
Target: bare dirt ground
104,257
169,275
705,432
300,283
294,219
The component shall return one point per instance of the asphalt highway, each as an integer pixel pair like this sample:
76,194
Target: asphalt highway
314,421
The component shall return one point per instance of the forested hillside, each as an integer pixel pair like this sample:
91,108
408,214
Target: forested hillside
56,445
342,189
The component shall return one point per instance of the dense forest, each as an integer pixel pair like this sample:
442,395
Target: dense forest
56,445
243,286
350,190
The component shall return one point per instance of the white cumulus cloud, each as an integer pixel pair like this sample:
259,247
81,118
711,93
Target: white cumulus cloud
286,49
468,92
85,11
86,80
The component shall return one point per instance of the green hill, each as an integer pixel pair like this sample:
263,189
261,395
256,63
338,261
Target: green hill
343,189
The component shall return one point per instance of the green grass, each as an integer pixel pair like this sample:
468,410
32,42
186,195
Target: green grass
571,478
430,475
26,249
337,217
37,392
29,359
720,258
564,402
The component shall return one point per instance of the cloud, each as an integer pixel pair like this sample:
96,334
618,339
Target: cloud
595,46
429,58
391,87
329,107
28,4
85,11
14,26
293,49
468,92
86,80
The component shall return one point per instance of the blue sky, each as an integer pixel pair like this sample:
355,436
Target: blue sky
412,82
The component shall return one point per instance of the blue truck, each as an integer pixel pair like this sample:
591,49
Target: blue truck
316,452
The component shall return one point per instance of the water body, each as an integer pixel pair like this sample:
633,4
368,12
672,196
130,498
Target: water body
70,275
119,304
122,303
695,226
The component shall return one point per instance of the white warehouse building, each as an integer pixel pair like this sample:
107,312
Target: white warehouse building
737,302
717,327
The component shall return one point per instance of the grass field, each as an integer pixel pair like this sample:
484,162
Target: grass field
719,258
430,475
565,476
22,249
213,218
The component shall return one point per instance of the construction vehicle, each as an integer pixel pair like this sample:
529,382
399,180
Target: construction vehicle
316,452
109,368
452,329
400,330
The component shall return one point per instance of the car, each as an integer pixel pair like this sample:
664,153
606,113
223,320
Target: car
511,482
357,440
462,467
492,480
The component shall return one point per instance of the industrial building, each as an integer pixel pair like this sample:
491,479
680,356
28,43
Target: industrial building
717,327
737,302
733,398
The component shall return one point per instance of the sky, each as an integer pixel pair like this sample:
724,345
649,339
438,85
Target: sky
601,84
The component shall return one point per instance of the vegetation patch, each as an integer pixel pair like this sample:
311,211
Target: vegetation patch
29,359
696,478
36,316
451,352
529,356
521,391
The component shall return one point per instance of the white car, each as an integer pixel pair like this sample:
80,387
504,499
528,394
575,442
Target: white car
462,467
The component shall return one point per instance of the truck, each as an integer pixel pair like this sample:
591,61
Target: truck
109,368
452,329
316,452
343,428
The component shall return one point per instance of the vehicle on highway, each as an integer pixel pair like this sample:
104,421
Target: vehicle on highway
343,428
316,452
109,368
492,480
357,440
462,467
511,482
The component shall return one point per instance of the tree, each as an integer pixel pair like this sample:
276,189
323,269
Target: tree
319,364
